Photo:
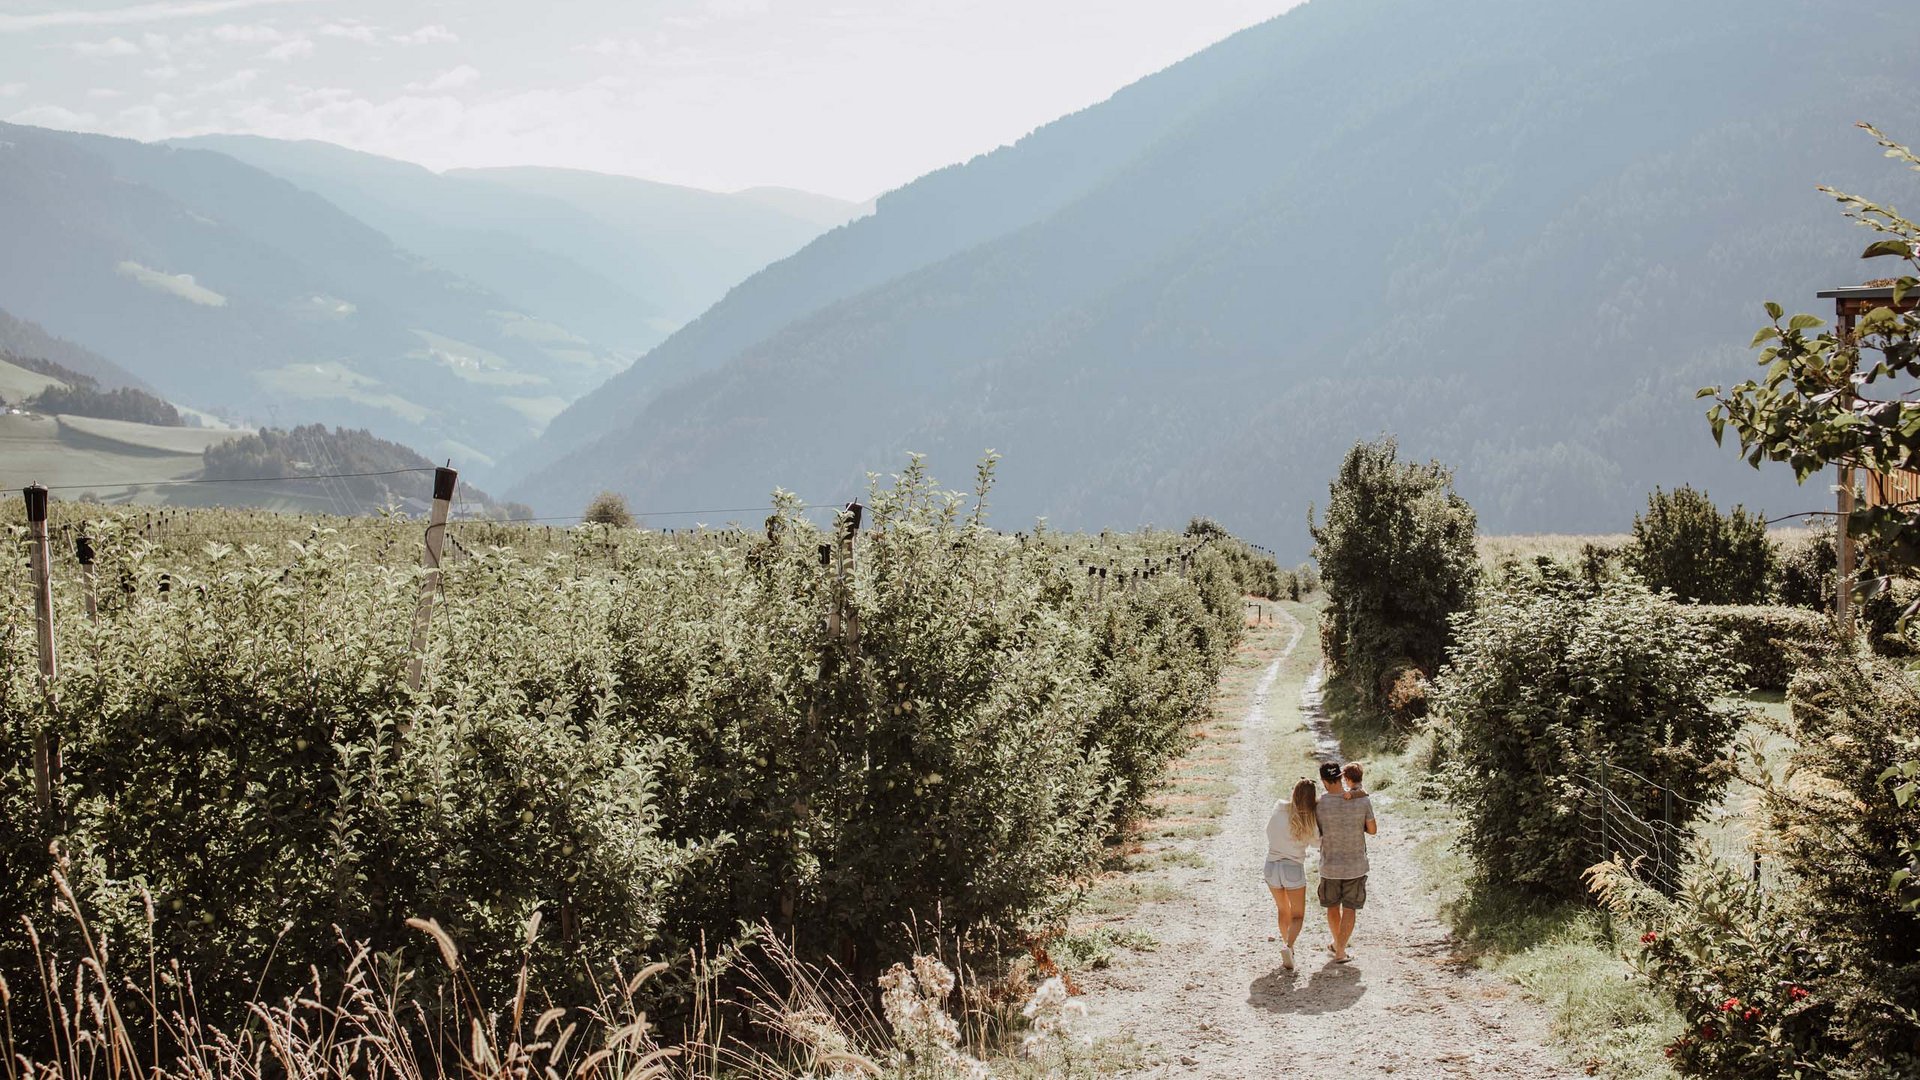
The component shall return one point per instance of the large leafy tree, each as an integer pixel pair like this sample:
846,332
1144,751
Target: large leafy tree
1398,555
1828,396
1840,396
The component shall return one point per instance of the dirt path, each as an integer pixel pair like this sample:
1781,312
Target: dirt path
1213,1001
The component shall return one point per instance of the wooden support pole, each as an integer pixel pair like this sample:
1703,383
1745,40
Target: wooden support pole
444,480
83,552
1843,543
849,617
46,746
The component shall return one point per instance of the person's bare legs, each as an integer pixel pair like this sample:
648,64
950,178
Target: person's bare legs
1340,921
1296,915
1280,912
1291,912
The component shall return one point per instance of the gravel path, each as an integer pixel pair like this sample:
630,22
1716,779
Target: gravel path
1213,1001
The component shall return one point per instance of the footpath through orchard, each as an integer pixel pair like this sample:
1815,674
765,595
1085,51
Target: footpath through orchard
1212,1000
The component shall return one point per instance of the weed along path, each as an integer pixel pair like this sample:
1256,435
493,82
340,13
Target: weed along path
1211,999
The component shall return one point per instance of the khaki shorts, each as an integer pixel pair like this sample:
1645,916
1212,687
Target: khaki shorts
1344,892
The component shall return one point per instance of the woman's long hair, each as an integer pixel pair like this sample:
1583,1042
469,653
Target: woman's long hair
1303,820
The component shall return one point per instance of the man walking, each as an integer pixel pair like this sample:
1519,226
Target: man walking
1346,820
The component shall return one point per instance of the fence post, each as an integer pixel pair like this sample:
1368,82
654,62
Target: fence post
444,480
849,617
46,745
83,551
1666,837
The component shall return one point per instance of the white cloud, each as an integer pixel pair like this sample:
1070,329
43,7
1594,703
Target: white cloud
161,73
247,34
738,9
232,84
55,116
96,50
137,13
102,93
288,50
351,31
12,89
434,34
451,79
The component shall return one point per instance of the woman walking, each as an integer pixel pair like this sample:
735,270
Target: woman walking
1293,827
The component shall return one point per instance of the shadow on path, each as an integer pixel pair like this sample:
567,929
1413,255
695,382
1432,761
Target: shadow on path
1332,988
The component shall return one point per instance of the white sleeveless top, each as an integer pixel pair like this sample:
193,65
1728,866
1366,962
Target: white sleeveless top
1280,841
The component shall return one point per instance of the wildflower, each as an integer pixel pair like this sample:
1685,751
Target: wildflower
1709,1032
1797,993
1730,1004
1649,938
1048,1011
1750,1015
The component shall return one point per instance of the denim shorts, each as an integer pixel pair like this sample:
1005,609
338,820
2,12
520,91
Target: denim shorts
1286,874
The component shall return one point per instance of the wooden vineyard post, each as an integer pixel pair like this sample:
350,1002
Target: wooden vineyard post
444,480
83,552
1843,543
46,747
847,619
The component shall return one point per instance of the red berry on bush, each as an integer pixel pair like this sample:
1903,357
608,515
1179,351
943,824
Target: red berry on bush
1730,1004
1797,993
1649,938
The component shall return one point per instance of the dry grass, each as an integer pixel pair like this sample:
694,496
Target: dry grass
791,1019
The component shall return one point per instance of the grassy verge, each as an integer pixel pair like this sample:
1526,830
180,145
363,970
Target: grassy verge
1605,1017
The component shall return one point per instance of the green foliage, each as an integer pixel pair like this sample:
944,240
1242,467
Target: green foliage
650,740
1765,645
1823,966
1814,407
1397,554
314,448
121,403
1806,571
1683,544
609,508
1255,573
1549,679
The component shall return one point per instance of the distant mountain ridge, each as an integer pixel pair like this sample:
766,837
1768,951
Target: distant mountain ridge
621,260
457,314
230,287
1519,235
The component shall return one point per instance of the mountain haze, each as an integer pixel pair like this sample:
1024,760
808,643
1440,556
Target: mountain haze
620,260
1519,235
223,286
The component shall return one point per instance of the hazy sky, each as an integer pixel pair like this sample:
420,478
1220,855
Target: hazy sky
845,97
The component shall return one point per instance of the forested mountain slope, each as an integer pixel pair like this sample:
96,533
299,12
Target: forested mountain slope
620,260
1517,234
221,285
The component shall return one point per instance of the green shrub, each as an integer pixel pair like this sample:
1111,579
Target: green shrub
1806,569
1550,677
1398,557
1683,544
609,508
1765,644
1255,573
1822,967
651,740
